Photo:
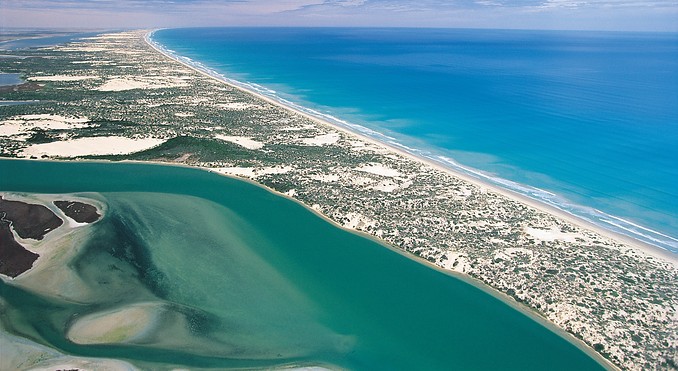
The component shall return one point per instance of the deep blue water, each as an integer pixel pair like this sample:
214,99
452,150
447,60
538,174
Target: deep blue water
585,121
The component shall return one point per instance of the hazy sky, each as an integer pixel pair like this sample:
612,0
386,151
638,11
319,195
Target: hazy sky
650,15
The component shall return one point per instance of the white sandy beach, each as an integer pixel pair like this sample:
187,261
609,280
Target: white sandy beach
380,176
331,138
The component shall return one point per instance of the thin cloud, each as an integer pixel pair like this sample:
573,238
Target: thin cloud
559,14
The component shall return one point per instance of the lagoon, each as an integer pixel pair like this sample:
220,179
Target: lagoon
8,79
259,280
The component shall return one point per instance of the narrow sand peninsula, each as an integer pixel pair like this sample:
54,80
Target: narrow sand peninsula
334,137
526,250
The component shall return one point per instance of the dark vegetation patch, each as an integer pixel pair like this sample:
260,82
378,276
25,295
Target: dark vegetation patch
29,220
78,211
14,258
201,149
25,87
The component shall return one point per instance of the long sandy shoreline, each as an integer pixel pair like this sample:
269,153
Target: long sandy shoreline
631,242
475,282
610,295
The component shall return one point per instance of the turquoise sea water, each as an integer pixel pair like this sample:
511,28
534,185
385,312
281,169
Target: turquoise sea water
262,281
584,121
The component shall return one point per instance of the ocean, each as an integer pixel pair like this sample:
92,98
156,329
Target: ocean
583,121
250,279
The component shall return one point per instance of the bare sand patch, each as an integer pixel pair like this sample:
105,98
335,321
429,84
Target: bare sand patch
236,106
389,186
22,125
116,326
122,84
322,140
251,172
298,128
91,146
379,169
83,49
246,142
552,234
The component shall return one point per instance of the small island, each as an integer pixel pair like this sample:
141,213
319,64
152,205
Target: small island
78,211
32,221
29,220
14,258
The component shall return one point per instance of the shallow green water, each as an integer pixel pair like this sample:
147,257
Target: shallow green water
261,281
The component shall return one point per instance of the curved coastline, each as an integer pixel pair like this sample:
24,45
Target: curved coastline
512,190
535,314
